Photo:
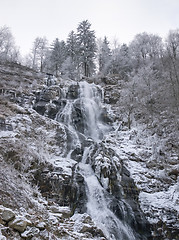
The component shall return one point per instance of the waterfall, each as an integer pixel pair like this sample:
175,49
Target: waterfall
91,103
98,208
91,110
82,118
81,115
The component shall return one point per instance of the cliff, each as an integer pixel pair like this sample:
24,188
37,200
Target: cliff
72,169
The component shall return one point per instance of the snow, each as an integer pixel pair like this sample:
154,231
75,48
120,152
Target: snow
1,236
164,199
6,134
136,149
64,164
79,221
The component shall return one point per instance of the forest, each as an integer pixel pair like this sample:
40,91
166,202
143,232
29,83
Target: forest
149,65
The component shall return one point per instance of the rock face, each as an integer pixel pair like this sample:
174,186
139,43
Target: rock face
85,118
115,178
70,166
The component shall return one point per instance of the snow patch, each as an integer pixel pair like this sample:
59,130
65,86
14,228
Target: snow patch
159,200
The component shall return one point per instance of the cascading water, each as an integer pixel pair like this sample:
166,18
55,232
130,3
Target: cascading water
91,107
98,208
82,117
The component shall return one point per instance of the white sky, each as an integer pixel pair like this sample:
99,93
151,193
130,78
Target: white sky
116,19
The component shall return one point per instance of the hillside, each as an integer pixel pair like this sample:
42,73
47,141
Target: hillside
68,173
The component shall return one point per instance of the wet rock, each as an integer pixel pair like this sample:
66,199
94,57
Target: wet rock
48,94
40,107
78,196
105,117
87,219
47,101
78,119
73,91
77,154
51,110
5,126
96,232
2,123
174,172
54,184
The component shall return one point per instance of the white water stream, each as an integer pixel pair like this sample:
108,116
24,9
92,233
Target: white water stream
90,98
98,208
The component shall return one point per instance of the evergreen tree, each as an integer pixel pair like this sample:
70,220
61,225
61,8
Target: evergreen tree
115,60
71,64
86,48
72,45
124,61
58,56
104,56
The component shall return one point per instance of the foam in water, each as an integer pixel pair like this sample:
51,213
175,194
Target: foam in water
98,206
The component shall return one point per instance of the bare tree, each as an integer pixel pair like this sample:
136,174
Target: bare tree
144,48
39,51
8,50
171,63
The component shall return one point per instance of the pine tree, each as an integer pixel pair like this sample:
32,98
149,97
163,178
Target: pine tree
124,61
58,56
86,48
104,56
72,45
71,64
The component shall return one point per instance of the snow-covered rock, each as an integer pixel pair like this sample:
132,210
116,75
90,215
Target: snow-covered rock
7,214
30,232
20,223
41,225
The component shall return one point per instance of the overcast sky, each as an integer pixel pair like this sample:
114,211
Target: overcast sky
120,19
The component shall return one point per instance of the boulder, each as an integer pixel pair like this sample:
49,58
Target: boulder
19,223
96,232
41,225
73,91
7,215
30,232
65,211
